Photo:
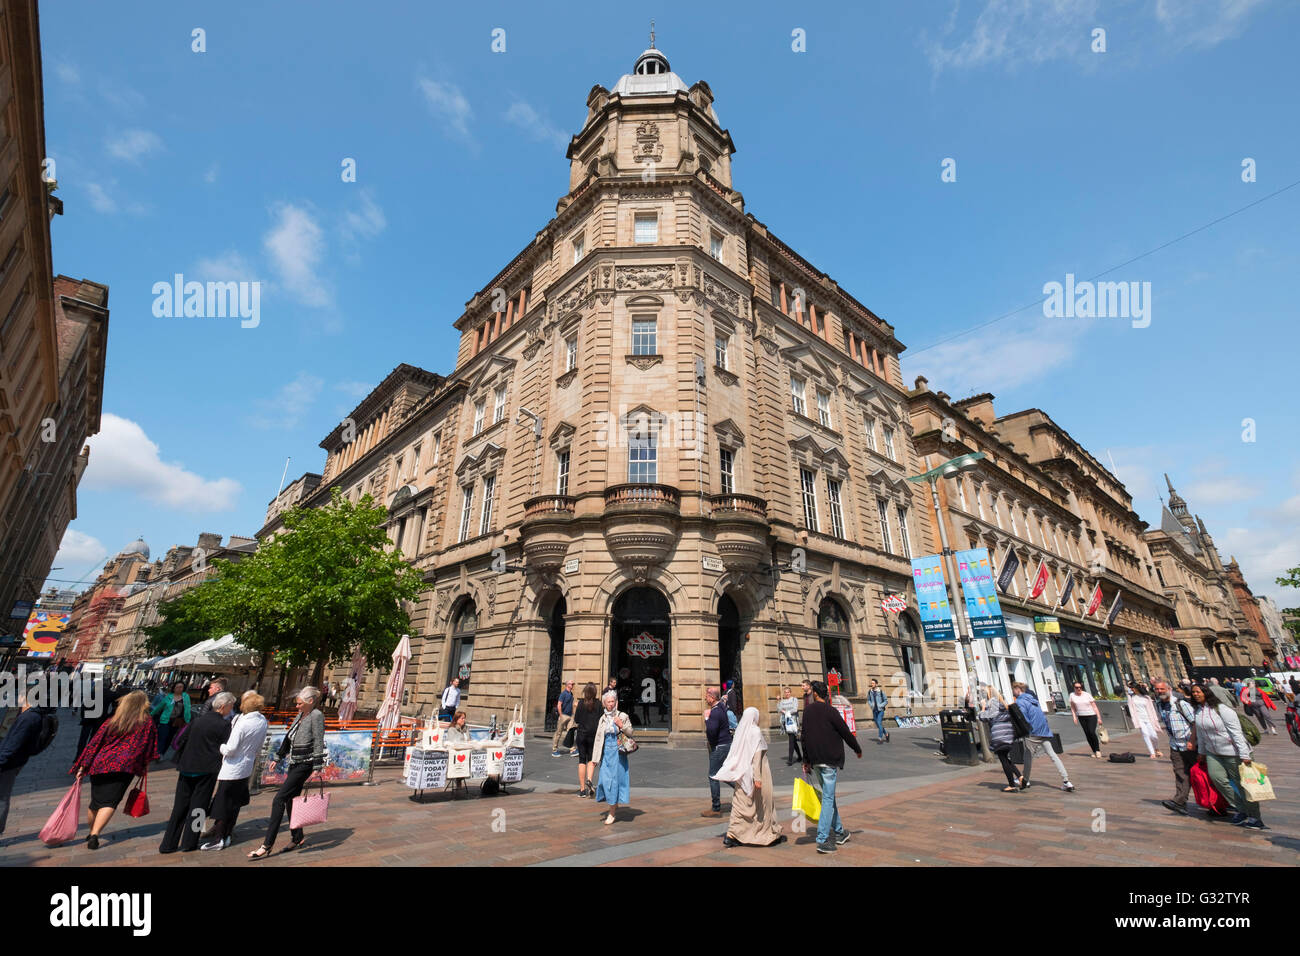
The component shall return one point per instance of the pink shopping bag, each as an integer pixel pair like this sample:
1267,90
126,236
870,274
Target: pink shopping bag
62,824
309,808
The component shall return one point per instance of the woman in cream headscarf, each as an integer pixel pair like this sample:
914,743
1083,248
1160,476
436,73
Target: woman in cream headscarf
753,805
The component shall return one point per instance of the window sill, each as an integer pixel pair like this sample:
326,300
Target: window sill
644,362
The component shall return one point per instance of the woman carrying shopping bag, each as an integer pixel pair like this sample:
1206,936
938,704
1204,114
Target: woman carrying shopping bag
120,750
613,744
1220,740
304,745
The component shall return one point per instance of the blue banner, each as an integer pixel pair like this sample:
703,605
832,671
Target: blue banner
982,607
932,598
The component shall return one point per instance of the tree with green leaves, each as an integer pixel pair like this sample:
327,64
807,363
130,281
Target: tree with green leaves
1292,580
316,592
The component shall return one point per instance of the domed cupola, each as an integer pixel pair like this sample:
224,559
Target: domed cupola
135,547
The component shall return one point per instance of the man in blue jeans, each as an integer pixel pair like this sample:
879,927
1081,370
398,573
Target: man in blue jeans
876,698
824,735
717,730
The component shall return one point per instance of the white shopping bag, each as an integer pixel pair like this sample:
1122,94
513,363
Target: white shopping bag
458,763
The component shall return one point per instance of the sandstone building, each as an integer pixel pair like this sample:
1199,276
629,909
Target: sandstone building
672,450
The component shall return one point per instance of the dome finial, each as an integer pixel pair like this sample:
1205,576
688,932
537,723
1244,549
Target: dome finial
652,33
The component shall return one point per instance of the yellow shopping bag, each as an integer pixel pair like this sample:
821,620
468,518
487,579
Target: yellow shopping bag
806,800
1255,782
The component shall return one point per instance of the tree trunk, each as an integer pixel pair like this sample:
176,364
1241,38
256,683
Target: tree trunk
261,670
318,673
279,690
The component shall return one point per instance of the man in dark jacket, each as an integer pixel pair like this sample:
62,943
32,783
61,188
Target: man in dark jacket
824,735
197,764
717,730
19,747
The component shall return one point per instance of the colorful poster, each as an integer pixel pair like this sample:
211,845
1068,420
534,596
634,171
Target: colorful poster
41,636
932,598
982,608
347,757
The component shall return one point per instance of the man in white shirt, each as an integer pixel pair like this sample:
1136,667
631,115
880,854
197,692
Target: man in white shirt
450,700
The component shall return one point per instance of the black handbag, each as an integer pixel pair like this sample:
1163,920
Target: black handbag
568,738
1122,758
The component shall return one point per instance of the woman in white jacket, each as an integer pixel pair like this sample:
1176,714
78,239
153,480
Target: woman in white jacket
1143,712
238,755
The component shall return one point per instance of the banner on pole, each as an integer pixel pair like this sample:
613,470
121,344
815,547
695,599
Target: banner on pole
982,607
1010,565
932,598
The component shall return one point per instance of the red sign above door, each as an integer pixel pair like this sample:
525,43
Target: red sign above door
645,645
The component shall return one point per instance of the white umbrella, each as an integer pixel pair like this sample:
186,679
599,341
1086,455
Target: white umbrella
391,709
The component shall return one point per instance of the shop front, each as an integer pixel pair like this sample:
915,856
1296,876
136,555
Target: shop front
1022,655
1086,657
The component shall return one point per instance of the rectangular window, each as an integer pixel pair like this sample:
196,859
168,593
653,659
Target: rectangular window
870,431
979,503
776,294
489,488
808,486
889,444
397,470
642,459
571,354
720,344
993,508
647,227
415,460
466,506
882,509
1015,528
418,535
645,338
824,407
478,417
797,386
715,246
499,411
437,448
904,540
837,512
961,494
579,245
562,472
727,467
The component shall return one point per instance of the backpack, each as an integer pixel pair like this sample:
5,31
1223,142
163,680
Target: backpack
1251,731
49,730
1018,721
1122,758
1203,790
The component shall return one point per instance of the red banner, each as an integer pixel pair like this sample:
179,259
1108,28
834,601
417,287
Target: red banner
1094,603
1040,580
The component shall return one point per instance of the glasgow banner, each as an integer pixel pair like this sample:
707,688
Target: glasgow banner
982,607
932,598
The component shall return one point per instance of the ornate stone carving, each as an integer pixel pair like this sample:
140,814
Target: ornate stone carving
632,278
768,346
644,362
716,291
564,380
570,299
640,573
727,378
531,349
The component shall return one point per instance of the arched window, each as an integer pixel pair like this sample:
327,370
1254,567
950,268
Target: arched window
462,645
837,645
909,653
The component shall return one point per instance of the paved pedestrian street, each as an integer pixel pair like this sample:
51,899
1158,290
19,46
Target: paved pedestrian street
903,805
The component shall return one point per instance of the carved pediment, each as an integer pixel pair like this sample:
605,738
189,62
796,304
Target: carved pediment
488,457
884,482
812,361
729,433
562,435
497,366
807,452
875,401
642,419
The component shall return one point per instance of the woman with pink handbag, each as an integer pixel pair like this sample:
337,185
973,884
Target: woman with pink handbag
120,750
304,745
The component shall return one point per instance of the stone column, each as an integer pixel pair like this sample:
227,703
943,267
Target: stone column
695,665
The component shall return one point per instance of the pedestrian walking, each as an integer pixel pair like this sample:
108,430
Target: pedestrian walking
789,710
586,716
824,735
20,745
96,709
564,719
1178,719
238,757
197,765
753,804
450,700
878,701
806,687
1295,685
717,732
1254,703
1223,695
1220,740
1143,712
304,745
1040,736
1002,736
1086,714
173,713
614,787
120,750
215,686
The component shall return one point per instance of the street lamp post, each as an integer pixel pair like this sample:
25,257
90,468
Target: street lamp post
970,679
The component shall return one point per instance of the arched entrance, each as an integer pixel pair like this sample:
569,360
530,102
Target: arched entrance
640,652
729,646
1186,655
555,667
461,658
837,648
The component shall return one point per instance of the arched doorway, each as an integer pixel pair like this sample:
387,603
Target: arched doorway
640,652
909,657
836,644
729,646
461,658
555,667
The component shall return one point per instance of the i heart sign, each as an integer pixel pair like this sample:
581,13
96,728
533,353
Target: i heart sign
496,755
460,758
519,730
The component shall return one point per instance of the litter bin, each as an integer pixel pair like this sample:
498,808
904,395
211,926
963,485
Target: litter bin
958,737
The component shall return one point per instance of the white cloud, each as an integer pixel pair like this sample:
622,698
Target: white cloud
531,122
122,458
357,390
1007,359
367,221
449,105
229,266
296,245
67,73
1204,23
100,200
290,403
133,145
1226,489
77,550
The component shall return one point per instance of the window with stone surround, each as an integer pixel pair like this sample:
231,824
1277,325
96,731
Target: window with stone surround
889,444
869,429
499,411
571,353
798,393
808,490
579,246
727,469
824,407
645,336
642,458
902,532
478,416
466,508
646,228
715,245
836,508
489,494
721,346
882,512
562,472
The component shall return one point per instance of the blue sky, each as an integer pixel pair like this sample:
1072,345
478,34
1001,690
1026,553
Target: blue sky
226,164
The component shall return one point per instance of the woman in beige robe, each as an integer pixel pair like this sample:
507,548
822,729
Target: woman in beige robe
753,805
